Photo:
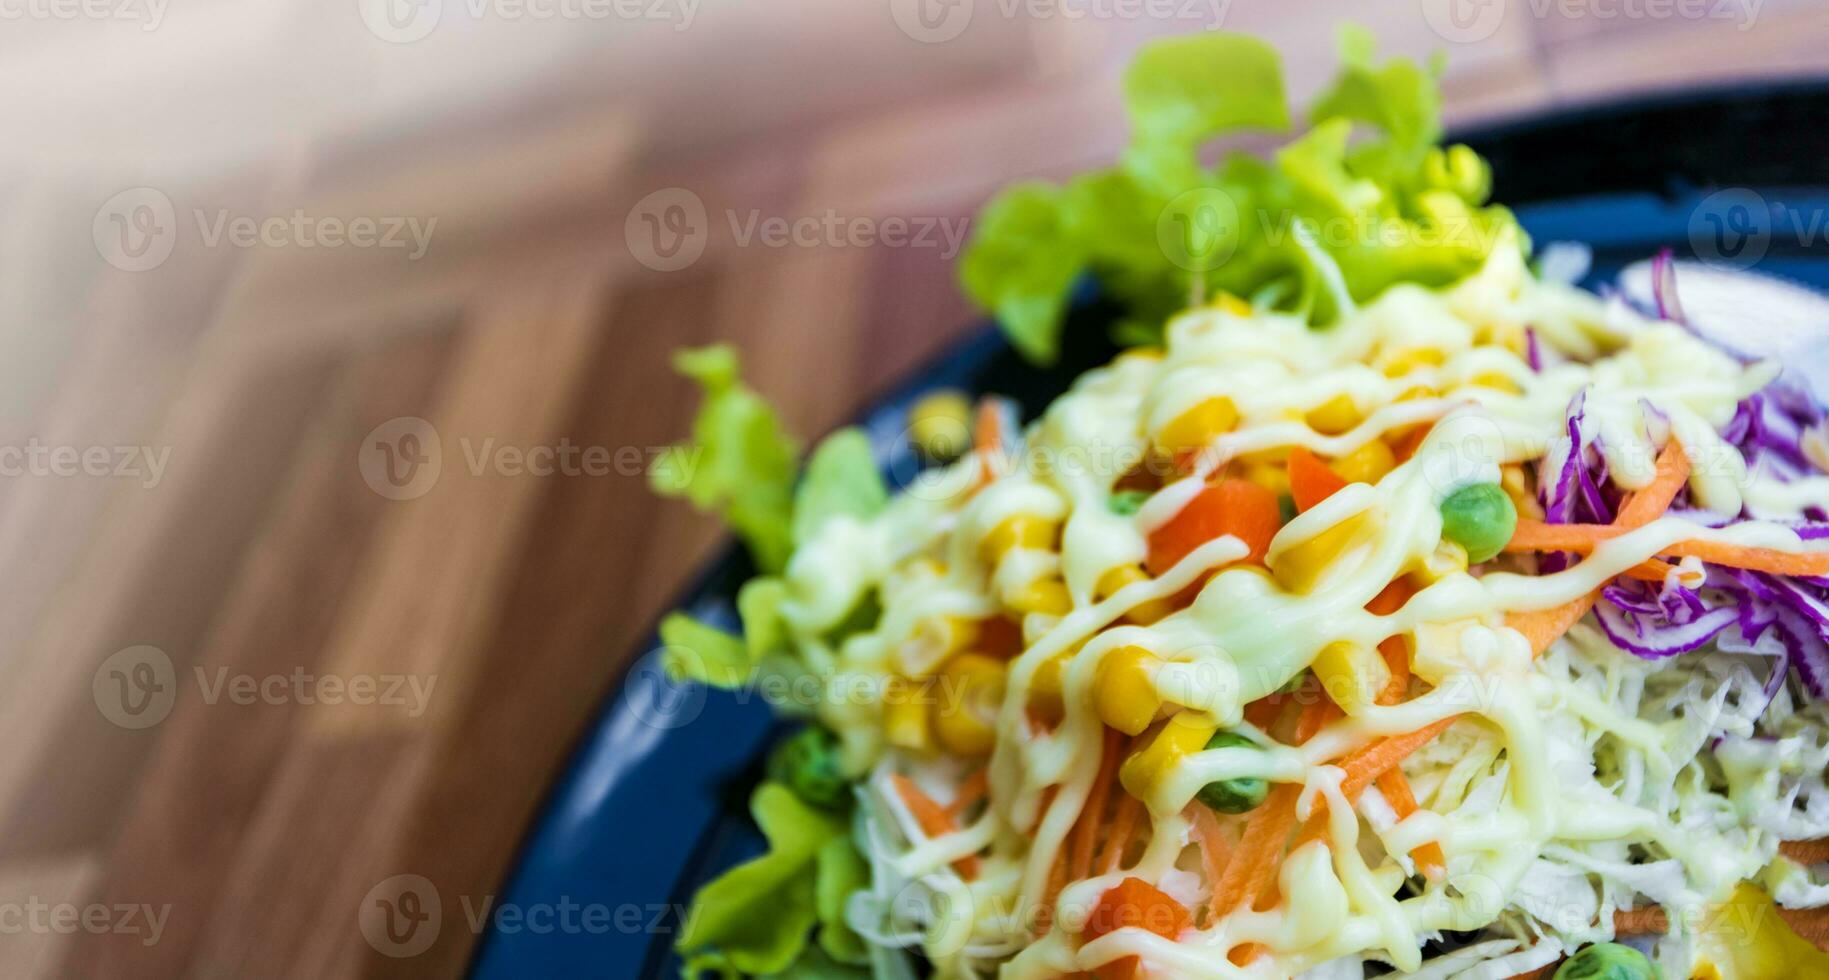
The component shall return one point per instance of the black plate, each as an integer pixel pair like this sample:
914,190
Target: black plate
654,802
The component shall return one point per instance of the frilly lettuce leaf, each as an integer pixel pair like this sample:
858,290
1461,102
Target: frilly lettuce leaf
841,479
740,463
1021,265
1362,201
691,650
756,918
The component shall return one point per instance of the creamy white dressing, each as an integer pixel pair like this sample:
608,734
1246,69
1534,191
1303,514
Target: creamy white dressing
1247,635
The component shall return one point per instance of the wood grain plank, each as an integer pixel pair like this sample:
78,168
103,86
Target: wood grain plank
186,825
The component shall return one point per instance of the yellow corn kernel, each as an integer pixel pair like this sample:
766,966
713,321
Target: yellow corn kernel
1367,464
1123,694
1299,568
968,695
1334,416
1403,362
1048,596
1020,531
935,639
1047,687
1273,477
1257,457
1502,382
1151,354
1227,303
1193,429
1143,613
1447,559
905,714
940,423
1182,735
1351,674
1517,486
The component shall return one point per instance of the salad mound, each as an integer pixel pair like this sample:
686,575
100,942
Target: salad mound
1385,607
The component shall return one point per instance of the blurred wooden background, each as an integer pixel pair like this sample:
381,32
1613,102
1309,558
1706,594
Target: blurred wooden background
263,550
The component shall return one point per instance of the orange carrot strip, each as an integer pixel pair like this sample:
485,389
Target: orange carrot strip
1254,862
1368,763
1539,973
970,792
1407,444
987,438
1310,480
1134,903
1755,559
1647,921
1806,851
1264,711
1215,850
1396,789
1395,652
1582,539
933,819
1543,627
1646,505
1236,507
1809,924
1123,826
1649,570
1086,830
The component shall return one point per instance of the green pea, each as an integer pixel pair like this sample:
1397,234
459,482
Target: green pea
1479,517
1127,502
807,763
1608,961
1233,795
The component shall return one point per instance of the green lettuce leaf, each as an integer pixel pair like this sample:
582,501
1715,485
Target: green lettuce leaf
1021,265
756,917
841,479
841,871
1380,203
691,650
740,463
1181,92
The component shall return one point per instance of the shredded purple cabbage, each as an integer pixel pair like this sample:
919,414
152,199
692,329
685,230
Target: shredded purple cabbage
1735,607
1533,350
1664,287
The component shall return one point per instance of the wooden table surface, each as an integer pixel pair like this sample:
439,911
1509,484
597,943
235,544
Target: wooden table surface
174,639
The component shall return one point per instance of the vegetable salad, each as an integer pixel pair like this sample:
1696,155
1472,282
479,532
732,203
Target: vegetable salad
1385,607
